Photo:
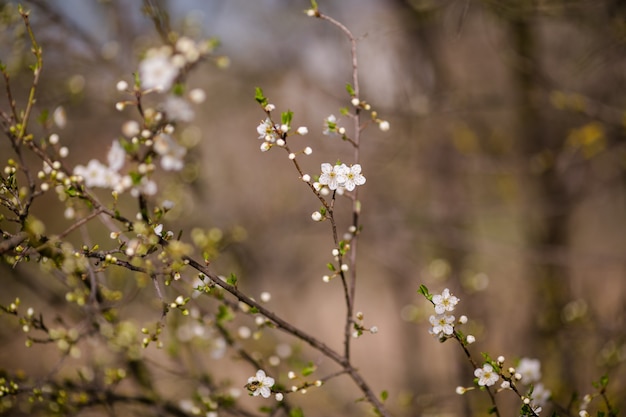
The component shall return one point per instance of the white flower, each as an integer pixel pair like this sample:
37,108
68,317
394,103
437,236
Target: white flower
353,177
486,375
116,156
333,176
384,126
188,48
260,384
266,131
541,395
146,187
172,153
444,301
442,325
95,174
158,72
302,130
178,109
530,370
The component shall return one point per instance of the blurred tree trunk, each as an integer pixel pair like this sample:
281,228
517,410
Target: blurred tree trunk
547,206
445,188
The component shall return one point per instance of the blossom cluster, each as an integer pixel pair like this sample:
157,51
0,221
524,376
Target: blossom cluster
525,379
162,66
443,323
341,176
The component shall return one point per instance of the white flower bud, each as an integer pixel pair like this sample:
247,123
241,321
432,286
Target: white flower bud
316,216
121,85
384,126
302,130
197,96
355,102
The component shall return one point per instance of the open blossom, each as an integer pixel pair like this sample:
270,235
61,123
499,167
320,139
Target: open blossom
337,177
178,109
260,384
267,131
442,324
116,156
157,71
486,375
353,177
444,301
334,176
172,153
96,174
540,395
530,369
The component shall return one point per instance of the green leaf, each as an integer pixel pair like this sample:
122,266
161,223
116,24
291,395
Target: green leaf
309,369
384,395
286,117
604,381
296,412
43,116
330,266
224,314
314,4
424,291
350,90
232,280
259,97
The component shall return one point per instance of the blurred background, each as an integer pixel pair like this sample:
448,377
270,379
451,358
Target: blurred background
502,177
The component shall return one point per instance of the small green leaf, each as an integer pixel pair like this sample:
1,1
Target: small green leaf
224,314
350,90
309,369
286,117
424,291
259,97
330,267
296,412
314,4
232,280
384,395
43,117
604,381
